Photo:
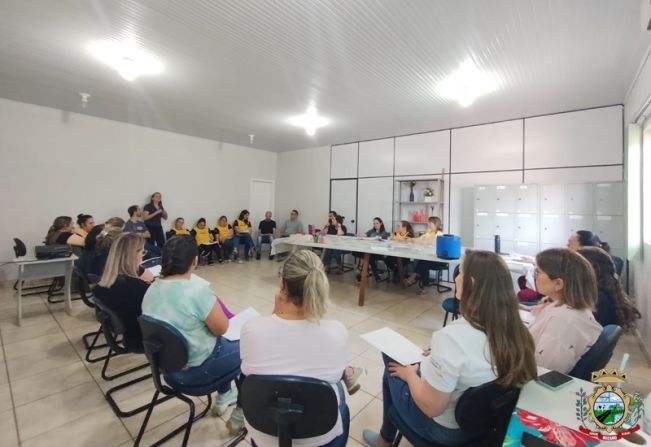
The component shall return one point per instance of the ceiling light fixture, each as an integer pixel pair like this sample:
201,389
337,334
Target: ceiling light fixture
310,120
126,58
467,83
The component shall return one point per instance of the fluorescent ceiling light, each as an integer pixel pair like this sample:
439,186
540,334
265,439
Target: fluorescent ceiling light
126,58
467,83
310,120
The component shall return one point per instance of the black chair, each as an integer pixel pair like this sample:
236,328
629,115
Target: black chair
451,305
264,241
599,354
289,407
483,412
113,327
151,262
439,268
86,283
167,351
619,264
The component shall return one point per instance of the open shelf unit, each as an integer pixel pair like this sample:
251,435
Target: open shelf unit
418,210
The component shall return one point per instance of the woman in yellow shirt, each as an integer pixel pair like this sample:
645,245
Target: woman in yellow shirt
205,240
179,228
422,268
242,228
404,233
228,241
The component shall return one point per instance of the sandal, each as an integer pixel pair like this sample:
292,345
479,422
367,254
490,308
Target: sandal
410,281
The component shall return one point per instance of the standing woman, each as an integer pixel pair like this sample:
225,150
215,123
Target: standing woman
153,212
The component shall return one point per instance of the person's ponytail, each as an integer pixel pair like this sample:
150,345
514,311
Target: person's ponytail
307,284
316,291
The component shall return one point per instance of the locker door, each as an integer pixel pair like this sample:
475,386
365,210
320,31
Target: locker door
484,225
504,199
484,244
525,248
526,227
504,226
553,230
526,199
343,199
552,199
610,229
579,198
577,222
609,199
484,199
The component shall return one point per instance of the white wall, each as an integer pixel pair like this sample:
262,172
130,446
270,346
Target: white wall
58,163
304,184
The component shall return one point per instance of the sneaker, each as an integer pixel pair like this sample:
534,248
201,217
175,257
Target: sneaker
235,423
370,437
223,401
271,257
257,256
352,382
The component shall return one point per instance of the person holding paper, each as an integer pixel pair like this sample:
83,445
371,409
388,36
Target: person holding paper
297,341
205,239
488,343
190,306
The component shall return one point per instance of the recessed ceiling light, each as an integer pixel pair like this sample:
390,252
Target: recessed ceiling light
126,58
310,120
467,83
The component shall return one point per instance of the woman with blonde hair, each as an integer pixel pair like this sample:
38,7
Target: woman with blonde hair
564,327
297,340
121,288
488,343
422,268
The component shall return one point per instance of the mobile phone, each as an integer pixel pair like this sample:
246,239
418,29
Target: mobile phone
554,380
529,440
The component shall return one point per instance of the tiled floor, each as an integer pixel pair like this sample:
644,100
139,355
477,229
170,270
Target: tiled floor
49,396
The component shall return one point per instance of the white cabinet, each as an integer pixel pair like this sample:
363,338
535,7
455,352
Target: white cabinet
610,229
504,225
526,248
484,225
504,199
372,201
343,200
343,161
526,199
577,222
552,229
484,199
552,199
489,147
578,198
422,154
484,243
609,199
376,158
526,227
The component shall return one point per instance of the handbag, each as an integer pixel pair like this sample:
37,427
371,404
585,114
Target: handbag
52,251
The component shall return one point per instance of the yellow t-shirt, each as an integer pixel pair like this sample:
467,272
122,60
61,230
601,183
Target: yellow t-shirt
243,226
202,235
401,236
223,232
430,236
181,232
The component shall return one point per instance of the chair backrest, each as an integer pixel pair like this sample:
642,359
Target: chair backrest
484,411
619,264
299,407
19,248
85,284
599,354
112,324
165,347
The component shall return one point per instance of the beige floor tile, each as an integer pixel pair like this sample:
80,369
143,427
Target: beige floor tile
30,365
5,398
49,382
372,381
353,443
98,429
37,347
405,311
3,373
34,313
8,435
369,417
358,401
13,334
207,431
58,409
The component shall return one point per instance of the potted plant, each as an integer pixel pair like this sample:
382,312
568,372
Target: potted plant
428,195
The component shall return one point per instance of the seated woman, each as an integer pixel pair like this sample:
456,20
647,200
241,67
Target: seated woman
242,229
122,288
613,306
228,241
62,232
88,253
335,227
205,240
422,268
378,231
103,243
191,307
584,238
564,327
488,343
404,233
178,229
85,223
314,347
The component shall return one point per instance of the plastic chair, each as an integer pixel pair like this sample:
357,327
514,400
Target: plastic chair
85,284
167,351
451,305
438,267
289,407
483,412
599,354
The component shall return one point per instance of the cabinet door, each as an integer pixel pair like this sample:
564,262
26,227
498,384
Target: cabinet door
610,229
504,199
579,198
552,229
372,201
484,225
525,248
484,199
343,199
504,226
526,199
376,158
609,199
343,161
482,243
577,222
526,227
552,199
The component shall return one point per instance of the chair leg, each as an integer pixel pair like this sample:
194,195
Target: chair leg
107,377
92,346
396,442
128,413
445,319
187,426
239,438
143,427
439,287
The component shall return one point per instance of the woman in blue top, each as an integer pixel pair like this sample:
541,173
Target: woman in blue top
153,212
378,231
188,304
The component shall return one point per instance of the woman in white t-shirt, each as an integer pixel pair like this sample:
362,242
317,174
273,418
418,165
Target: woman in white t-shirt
564,327
297,341
488,343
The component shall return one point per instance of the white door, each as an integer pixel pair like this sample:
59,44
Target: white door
261,200
343,200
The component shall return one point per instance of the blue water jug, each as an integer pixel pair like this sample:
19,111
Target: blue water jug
448,246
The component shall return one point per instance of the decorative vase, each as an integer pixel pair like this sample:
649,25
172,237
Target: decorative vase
427,199
411,193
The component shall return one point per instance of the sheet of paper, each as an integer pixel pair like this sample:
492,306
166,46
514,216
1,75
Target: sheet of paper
155,270
395,346
210,243
236,323
527,317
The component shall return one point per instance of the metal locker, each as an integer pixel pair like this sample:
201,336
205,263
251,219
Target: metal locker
552,199
553,230
610,229
525,248
526,199
484,244
484,199
579,198
526,227
504,226
504,199
609,199
484,225
577,222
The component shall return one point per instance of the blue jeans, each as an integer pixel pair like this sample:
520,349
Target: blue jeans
263,239
329,255
247,241
230,245
395,393
223,364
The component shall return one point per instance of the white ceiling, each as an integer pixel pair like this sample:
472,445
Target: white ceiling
242,66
